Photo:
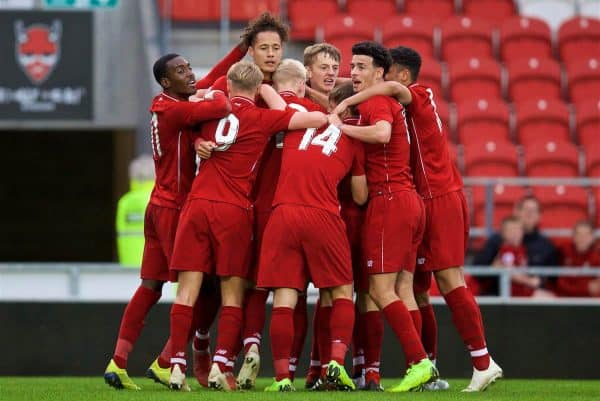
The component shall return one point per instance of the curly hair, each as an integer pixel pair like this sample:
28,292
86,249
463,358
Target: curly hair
264,23
381,55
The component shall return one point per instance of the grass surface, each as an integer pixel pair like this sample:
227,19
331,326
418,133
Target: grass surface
93,388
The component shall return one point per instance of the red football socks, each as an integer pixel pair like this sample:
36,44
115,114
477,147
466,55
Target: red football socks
467,319
429,331
373,339
417,321
132,322
181,322
341,325
282,338
254,317
324,335
401,323
358,350
228,335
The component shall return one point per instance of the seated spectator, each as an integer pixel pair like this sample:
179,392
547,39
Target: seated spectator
512,253
539,249
583,251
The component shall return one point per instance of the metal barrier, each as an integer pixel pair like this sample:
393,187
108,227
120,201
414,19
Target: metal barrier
490,182
112,282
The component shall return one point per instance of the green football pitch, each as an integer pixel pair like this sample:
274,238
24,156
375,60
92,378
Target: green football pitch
86,388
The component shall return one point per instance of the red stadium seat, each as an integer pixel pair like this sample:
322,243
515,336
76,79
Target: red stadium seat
372,9
579,36
245,10
431,75
534,78
439,9
542,120
491,159
562,206
409,31
597,193
494,11
505,198
188,10
482,119
583,76
551,159
464,37
343,31
522,37
588,122
306,15
474,79
592,161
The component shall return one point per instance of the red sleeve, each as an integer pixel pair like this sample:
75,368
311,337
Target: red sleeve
220,84
358,164
221,68
192,113
420,98
375,109
274,121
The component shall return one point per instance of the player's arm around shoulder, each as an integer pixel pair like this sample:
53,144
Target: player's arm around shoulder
213,106
307,119
380,132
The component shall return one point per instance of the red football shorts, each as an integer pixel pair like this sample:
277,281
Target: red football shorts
214,238
392,232
303,244
160,226
354,217
446,233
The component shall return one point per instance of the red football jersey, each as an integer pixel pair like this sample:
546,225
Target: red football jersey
387,165
313,164
228,176
434,172
174,158
344,188
577,286
270,165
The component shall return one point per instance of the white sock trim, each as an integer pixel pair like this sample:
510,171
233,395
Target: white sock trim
359,360
179,361
251,340
292,368
371,369
229,364
219,358
314,363
201,336
479,352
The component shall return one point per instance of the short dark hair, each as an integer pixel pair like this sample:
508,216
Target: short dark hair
510,219
584,223
341,92
407,58
529,198
160,66
381,55
264,23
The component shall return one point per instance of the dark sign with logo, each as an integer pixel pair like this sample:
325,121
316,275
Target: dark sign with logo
46,69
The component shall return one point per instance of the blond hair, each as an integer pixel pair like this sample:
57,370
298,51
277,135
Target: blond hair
311,52
245,76
289,71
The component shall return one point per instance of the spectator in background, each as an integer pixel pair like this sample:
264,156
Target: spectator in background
512,253
539,249
131,209
582,251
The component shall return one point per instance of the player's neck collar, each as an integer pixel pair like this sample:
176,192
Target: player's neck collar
287,93
243,99
170,97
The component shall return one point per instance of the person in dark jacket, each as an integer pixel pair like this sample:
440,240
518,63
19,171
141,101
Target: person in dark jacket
540,250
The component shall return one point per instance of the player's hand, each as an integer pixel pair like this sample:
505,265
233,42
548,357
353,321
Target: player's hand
204,148
198,96
340,108
594,287
210,95
334,120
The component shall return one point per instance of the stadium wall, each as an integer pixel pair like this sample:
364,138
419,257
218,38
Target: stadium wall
528,341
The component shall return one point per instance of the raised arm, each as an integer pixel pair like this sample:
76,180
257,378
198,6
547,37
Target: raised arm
221,68
388,88
272,98
192,113
310,119
381,132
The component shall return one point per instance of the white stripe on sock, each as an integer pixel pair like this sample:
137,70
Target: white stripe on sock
315,363
292,368
201,336
251,340
179,361
371,369
229,364
359,360
479,352
219,358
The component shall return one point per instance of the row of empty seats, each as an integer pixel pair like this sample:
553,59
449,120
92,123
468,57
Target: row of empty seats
523,123
488,158
460,38
562,206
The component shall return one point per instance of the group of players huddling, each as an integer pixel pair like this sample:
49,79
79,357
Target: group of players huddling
258,189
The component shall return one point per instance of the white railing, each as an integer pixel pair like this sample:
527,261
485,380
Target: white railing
109,282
